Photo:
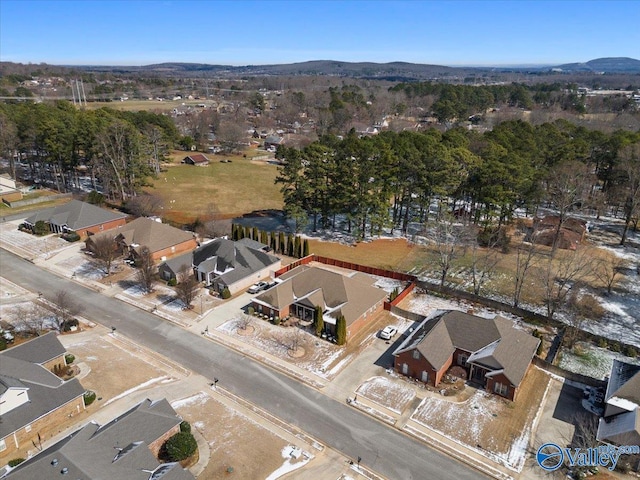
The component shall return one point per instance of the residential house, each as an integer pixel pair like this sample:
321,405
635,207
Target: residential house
572,232
235,265
164,241
620,423
170,269
303,288
198,159
494,354
272,142
33,401
80,217
125,449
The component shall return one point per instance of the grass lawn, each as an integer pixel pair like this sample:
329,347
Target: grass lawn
228,189
150,105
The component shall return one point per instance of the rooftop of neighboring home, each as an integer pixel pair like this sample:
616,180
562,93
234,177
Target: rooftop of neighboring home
348,295
621,423
150,233
196,158
76,215
232,260
493,343
623,389
21,370
116,450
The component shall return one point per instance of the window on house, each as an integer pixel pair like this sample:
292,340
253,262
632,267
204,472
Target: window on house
462,359
3,445
501,389
27,428
416,354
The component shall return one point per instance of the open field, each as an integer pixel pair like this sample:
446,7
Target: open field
228,189
150,105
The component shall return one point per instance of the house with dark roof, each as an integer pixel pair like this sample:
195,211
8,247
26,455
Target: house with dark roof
494,354
80,217
223,263
303,288
124,449
620,423
172,267
198,159
163,240
33,401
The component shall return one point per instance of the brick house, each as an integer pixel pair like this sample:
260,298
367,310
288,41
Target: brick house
164,241
126,448
80,217
33,401
494,355
303,288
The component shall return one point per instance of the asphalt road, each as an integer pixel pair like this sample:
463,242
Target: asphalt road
382,449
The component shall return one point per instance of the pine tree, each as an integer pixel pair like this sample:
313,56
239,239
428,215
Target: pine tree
318,320
254,234
296,247
290,245
341,330
272,240
305,248
281,243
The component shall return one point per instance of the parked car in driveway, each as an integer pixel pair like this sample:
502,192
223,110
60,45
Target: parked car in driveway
388,332
258,287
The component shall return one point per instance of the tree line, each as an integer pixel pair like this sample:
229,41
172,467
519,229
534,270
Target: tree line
368,185
120,151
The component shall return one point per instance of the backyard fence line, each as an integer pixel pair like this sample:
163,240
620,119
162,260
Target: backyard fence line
568,375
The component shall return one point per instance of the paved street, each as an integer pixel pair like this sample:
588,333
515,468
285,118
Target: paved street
381,448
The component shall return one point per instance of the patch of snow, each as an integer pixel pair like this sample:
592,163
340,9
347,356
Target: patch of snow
291,463
134,389
199,398
387,393
594,362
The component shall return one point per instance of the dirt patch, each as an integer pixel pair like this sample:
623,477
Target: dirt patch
236,442
297,353
487,422
248,330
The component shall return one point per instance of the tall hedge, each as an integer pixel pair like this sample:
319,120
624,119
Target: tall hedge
180,446
341,330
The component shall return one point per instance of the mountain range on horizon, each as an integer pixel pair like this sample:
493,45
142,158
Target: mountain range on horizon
397,71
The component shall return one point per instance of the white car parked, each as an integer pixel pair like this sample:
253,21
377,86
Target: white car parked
388,332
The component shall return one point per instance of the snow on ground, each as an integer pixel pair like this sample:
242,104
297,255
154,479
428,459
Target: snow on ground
135,389
174,306
16,314
294,459
82,267
389,284
199,398
387,393
593,361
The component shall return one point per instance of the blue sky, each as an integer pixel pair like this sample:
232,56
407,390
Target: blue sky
267,32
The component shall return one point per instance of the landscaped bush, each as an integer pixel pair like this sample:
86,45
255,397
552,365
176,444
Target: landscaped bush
70,323
14,462
180,446
250,311
629,351
276,321
89,397
71,236
185,427
172,282
40,228
226,293
69,358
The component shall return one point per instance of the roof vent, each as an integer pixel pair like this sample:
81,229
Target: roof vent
64,471
54,462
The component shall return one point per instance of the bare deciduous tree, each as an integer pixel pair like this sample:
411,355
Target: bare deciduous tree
449,242
31,318
630,169
527,256
244,321
581,309
105,251
608,270
560,274
187,286
65,308
146,270
145,205
483,262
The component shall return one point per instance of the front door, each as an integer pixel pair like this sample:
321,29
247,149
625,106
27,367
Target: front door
425,376
405,369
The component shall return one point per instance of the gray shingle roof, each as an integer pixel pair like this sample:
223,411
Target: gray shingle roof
38,350
46,392
493,343
236,259
117,450
76,215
